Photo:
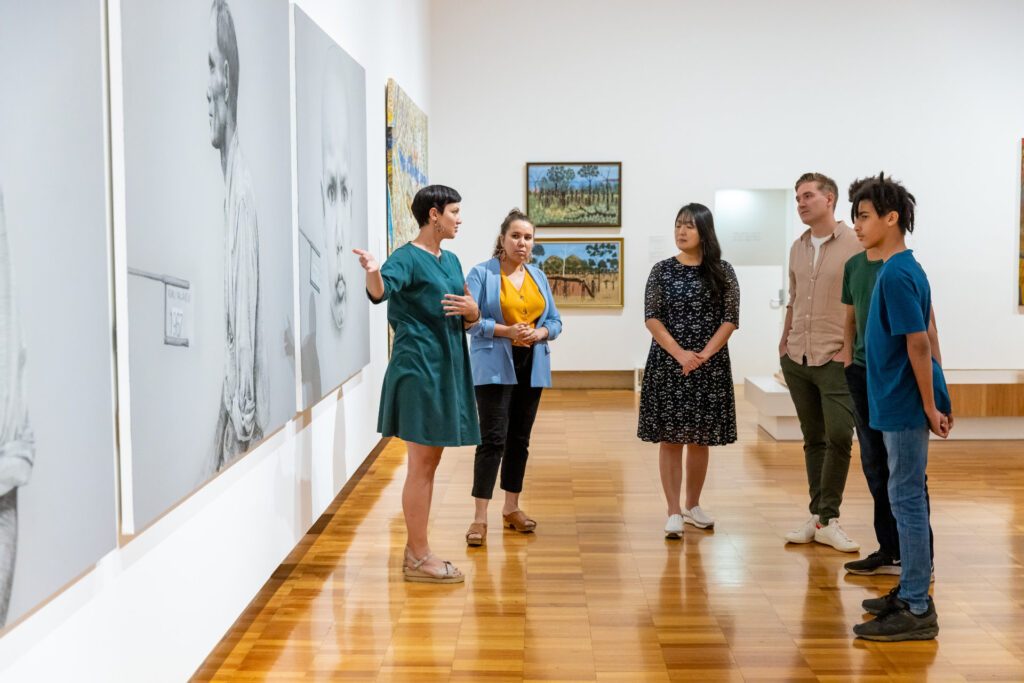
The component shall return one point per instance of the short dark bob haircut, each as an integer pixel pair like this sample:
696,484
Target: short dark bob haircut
432,197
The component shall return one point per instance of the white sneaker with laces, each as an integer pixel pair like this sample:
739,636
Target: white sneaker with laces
674,526
834,536
805,532
698,518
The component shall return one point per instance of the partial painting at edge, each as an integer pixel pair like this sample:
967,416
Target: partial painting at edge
209,239
1020,261
330,133
57,448
406,161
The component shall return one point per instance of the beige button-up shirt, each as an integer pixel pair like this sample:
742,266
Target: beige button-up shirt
815,292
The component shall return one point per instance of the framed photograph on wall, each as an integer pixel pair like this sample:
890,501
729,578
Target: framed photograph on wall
582,271
574,195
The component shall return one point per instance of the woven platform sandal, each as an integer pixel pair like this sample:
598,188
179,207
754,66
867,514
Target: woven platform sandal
414,572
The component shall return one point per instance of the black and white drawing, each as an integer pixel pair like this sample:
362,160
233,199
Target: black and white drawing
243,407
330,109
57,457
207,166
17,445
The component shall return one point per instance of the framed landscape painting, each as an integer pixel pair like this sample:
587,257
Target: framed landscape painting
574,195
582,271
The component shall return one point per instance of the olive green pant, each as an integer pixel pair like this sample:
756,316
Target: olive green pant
825,410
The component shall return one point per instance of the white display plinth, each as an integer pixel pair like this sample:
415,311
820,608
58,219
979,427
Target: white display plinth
776,413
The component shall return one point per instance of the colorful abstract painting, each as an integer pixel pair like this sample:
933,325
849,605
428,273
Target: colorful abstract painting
571,195
582,271
407,163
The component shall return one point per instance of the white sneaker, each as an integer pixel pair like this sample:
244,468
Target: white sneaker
698,518
805,532
834,536
674,526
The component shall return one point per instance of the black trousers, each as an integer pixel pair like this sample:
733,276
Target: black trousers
507,412
875,460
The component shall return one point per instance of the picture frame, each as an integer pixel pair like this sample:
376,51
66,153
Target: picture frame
574,194
583,272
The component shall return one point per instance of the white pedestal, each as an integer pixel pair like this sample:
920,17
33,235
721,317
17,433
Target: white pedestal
776,413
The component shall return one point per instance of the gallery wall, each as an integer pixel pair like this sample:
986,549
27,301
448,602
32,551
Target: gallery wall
133,616
699,97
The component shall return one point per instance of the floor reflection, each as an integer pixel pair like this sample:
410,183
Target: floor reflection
597,593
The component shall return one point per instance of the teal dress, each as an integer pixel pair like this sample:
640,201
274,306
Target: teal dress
428,387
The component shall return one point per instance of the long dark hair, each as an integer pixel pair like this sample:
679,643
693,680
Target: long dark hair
711,264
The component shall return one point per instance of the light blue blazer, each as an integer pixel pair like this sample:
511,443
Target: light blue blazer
491,356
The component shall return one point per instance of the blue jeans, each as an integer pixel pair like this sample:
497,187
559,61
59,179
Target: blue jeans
908,459
875,461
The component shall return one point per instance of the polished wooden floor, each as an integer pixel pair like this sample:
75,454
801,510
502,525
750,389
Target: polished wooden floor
598,594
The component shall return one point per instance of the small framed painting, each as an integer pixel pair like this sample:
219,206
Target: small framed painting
574,195
582,271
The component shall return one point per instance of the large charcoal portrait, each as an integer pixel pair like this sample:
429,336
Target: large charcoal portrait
57,457
330,109
208,197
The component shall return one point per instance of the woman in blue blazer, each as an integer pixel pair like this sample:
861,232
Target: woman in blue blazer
511,364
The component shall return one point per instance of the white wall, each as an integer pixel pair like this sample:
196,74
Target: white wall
153,609
694,97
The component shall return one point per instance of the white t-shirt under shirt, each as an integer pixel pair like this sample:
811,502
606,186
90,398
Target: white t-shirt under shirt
817,242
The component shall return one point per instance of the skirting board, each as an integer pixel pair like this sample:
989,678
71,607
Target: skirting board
592,379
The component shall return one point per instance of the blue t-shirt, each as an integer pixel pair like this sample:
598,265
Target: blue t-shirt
901,304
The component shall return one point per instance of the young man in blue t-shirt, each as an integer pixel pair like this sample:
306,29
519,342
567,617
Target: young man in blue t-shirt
907,397
859,276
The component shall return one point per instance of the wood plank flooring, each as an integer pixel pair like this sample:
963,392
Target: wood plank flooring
597,594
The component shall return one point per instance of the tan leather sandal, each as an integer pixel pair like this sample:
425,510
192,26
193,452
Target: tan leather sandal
520,522
477,534
413,571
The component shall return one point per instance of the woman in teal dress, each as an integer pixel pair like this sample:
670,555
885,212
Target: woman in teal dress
427,399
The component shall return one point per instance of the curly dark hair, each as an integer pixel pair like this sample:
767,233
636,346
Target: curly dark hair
886,195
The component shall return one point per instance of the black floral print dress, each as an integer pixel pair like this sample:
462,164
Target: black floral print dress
700,407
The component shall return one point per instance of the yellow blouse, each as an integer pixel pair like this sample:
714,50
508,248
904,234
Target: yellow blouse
523,305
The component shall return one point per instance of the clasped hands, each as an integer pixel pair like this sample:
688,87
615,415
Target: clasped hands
522,333
691,360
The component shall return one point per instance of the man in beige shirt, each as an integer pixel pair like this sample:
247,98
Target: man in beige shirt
813,356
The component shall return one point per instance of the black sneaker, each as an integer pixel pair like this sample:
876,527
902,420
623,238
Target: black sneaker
878,605
875,563
898,623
